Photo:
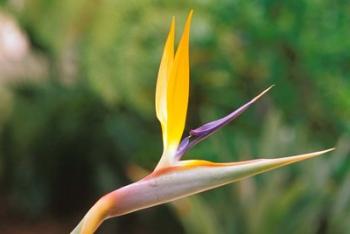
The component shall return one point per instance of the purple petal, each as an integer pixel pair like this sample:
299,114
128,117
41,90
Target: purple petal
199,134
183,147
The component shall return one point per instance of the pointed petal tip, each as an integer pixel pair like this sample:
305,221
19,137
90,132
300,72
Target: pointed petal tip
188,20
317,153
327,150
301,157
190,14
172,24
270,87
262,93
314,154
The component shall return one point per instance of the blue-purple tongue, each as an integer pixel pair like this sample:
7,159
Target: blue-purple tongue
204,131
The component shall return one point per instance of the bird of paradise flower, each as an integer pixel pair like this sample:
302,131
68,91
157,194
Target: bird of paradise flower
174,178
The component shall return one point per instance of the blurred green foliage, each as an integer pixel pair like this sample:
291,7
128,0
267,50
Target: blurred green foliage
69,138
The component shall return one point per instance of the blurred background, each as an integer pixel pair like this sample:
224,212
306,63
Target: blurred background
77,119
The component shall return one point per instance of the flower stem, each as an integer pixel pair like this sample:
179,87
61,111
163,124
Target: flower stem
94,217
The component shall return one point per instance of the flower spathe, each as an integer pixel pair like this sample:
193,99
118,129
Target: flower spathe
174,178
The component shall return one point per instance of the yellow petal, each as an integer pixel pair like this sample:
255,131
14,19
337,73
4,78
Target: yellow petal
162,81
172,92
178,89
